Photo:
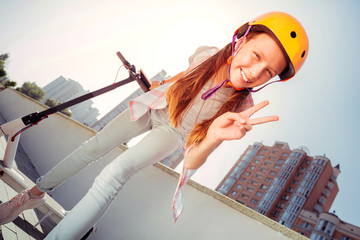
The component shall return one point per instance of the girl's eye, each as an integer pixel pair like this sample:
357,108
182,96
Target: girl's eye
269,72
257,55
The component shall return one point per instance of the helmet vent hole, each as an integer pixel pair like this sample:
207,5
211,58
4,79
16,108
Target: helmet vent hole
303,54
293,34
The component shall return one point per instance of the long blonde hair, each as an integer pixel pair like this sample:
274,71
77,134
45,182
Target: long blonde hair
181,94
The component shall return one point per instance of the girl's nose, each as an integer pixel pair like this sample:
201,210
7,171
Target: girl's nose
257,70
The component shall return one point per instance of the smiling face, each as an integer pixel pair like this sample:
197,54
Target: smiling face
258,59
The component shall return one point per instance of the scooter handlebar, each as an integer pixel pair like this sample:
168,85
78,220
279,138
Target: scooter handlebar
140,78
123,60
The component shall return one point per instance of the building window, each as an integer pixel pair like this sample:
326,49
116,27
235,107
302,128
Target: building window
258,194
333,178
285,154
247,173
257,175
295,182
285,197
322,200
243,179
224,189
272,173
318,208
256,146
280,205
268,179
314,236
253,182
261,211
250,189
262,169
281,161
243,195
252,167
266,163
238,186
263,186
277,166
306,225
330,185
265,150
233,193
276,213
343,237
326,227
253,201
326,192
287,219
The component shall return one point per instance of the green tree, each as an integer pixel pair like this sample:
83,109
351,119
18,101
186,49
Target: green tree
67,112
3,58
10,83
32,90
3,74
52,103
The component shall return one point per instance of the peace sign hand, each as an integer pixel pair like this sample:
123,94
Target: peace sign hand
231,126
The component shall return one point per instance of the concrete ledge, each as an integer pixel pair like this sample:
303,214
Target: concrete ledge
237,206
142,210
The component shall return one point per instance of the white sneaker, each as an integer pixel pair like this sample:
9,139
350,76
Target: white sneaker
11,209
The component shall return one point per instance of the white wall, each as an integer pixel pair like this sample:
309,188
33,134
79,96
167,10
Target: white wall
142,210
50,141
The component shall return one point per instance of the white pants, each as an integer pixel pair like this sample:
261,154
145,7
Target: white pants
161,141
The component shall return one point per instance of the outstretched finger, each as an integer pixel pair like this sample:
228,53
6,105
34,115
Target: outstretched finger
255,108
261,120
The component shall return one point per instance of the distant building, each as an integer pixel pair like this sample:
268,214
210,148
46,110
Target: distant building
174,159
98,125
325,226
63,90
280,183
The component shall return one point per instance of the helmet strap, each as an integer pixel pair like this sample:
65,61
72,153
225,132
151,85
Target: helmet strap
211,91
251,90
234,51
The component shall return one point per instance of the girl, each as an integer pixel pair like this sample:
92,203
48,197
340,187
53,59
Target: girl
199,108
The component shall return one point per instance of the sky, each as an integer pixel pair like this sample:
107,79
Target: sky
317,108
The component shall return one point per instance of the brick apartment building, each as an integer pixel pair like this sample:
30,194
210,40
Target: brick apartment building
288,186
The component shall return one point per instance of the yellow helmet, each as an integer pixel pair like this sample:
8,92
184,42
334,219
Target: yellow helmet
290,35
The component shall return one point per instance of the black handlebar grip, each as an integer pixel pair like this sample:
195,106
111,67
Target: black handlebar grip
123,60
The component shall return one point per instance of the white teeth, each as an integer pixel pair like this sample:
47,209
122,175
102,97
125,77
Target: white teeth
244,77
